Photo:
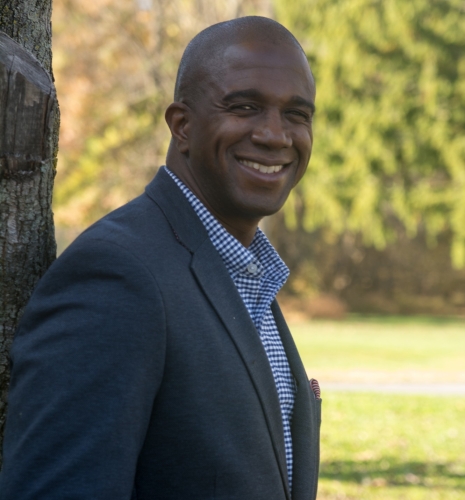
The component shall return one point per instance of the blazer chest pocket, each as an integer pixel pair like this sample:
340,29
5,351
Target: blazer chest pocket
316,403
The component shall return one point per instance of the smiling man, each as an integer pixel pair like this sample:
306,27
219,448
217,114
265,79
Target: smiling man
152,361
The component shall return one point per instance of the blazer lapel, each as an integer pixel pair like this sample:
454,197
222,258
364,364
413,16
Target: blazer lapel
213,278
225,299
305,420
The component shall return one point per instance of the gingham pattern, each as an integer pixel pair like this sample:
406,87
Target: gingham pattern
258,273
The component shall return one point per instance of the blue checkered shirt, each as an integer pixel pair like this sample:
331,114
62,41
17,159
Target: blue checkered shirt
258,273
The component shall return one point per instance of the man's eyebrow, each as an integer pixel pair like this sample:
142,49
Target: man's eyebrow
295,100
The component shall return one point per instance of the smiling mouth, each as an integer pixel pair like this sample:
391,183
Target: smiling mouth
262,168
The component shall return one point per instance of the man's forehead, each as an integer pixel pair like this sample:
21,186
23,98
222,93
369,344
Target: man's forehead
255,50
267,60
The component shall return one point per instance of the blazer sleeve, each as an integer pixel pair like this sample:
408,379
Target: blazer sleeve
87,362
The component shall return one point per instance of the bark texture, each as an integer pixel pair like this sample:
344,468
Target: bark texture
29,122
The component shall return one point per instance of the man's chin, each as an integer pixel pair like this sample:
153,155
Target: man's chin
259,211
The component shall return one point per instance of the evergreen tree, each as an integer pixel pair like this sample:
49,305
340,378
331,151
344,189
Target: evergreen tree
390,118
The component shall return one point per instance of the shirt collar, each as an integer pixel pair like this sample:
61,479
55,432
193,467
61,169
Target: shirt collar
236,256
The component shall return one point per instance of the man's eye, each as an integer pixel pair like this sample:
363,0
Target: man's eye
243,107
299,114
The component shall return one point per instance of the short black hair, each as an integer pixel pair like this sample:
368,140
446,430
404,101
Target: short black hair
203,55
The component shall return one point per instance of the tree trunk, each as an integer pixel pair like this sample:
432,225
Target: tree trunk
29,123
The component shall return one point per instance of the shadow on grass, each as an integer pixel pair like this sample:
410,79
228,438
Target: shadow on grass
391,471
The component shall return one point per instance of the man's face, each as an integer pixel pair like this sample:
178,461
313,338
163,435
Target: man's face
250,135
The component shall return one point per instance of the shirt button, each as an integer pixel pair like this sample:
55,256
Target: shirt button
252,268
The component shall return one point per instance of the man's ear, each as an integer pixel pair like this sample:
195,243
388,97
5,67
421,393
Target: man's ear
177,117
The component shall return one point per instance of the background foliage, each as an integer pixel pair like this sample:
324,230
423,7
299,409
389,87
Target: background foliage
390,149
115,65
386,182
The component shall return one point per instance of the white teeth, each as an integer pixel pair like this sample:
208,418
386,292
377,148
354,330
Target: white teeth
261,168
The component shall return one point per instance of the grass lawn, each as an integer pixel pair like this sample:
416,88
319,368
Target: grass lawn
398,349
387,446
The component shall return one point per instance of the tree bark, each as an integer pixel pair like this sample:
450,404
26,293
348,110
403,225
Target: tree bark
29,123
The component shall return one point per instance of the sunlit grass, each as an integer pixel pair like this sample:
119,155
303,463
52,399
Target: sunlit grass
398,348
387,447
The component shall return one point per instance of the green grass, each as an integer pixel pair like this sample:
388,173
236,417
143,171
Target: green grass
334,350
385,446
388,447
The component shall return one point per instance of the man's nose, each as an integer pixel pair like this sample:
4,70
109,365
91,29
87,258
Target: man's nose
271,132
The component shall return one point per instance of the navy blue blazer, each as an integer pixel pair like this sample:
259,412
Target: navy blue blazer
137,373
